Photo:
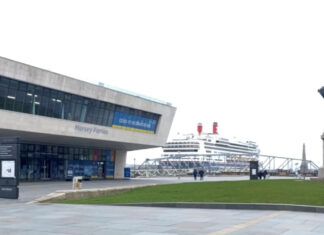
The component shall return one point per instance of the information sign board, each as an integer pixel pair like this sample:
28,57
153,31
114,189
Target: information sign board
9,167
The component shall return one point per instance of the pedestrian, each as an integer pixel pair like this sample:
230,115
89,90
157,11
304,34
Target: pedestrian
201,174
265,174
195,172
260,174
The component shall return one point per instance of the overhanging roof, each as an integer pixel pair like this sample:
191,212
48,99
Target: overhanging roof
40,138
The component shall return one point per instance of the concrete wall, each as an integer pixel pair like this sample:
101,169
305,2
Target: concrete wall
33,126
120,162
63,132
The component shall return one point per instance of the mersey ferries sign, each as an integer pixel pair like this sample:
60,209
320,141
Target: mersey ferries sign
90,130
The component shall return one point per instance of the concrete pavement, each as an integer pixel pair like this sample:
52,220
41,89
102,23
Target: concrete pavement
114,220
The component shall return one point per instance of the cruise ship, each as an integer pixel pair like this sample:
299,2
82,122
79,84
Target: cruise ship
205,144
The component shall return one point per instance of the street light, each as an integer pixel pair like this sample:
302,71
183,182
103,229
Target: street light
134,166
321,169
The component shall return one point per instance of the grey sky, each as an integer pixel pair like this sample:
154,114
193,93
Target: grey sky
252,66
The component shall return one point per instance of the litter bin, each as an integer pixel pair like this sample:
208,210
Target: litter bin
77,182
254,170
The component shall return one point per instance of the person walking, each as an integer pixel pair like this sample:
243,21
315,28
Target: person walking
201,174
260,174
195,173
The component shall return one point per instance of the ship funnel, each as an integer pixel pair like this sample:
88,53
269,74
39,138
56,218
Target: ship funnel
215,132
199,128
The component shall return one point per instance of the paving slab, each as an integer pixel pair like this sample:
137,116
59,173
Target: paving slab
20,218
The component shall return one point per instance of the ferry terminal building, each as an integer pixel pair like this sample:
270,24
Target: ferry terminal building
68,127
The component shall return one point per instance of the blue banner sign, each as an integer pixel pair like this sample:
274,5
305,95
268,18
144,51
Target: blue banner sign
127,172
134,123
86,169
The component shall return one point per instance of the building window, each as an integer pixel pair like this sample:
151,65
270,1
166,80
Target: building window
28,98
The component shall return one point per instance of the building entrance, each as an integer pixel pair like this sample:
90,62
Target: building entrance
51,168
46,169
50,162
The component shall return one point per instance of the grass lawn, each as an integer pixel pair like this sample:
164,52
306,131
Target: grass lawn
256,191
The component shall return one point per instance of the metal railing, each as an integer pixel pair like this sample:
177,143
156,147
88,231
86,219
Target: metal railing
182,164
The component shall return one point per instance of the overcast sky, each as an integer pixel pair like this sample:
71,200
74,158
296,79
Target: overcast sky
252,66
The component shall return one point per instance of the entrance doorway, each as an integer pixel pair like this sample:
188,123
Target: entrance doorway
45,169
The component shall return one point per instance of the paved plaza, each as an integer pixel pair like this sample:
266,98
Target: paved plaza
32,190
19,217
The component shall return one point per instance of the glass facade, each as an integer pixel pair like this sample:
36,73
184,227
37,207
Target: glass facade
28,98
52,162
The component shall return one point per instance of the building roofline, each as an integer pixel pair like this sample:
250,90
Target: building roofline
120,90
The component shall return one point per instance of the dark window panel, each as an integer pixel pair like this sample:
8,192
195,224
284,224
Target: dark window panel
100,117
23,86
51,111
95,116
77,112
96,103
31,148
60,95
67,97
24,147
4,82
66,150
13,85
10,101
43,104
84,110
111,118
48,149
30,88
68,111
19,101
58,108
37,148
60,150
131,111
112,107
38,91
105,118
27,107
54,149
3,96
33,99
43,148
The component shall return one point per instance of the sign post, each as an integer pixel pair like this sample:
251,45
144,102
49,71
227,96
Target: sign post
9,167
254,170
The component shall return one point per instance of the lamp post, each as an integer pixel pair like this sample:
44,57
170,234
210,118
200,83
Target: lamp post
321,169
134,166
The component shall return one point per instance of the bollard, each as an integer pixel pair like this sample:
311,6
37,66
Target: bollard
76,182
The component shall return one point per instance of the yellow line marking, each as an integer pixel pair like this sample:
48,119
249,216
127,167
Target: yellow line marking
247,224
